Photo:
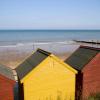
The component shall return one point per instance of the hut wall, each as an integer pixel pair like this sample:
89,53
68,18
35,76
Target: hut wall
50,80
6,88
91,77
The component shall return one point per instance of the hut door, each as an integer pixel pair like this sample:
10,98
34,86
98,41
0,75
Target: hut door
78,91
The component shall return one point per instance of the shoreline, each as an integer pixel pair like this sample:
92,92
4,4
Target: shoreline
8,43
13,55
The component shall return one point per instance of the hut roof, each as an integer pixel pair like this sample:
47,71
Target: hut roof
31,62
82,56
7,72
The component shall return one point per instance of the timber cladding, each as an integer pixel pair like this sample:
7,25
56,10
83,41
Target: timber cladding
87,61
7,83
91,77
47,78
6,88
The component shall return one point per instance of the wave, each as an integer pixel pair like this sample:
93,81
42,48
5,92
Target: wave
34,43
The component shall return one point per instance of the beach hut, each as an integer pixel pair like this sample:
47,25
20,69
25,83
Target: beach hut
7,83
43,76
86,60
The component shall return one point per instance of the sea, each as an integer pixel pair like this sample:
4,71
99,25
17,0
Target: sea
51,40
22,36
16,45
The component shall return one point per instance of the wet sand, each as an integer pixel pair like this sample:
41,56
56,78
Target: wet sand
13,56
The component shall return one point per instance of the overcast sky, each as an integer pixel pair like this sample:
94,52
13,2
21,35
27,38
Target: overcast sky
49,14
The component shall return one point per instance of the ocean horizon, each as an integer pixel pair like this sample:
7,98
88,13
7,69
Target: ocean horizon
13,37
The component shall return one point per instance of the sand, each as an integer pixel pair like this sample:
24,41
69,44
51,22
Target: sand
12,56
13,59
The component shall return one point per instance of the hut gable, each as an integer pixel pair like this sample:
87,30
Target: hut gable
31,62
87,61
49,78
82,56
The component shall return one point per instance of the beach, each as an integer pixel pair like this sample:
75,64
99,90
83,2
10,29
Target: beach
13,55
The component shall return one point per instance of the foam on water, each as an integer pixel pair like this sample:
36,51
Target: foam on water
36,43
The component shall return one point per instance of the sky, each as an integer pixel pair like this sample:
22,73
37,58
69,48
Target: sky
49,14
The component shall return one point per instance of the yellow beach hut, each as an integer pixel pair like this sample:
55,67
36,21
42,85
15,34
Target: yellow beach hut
43,76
